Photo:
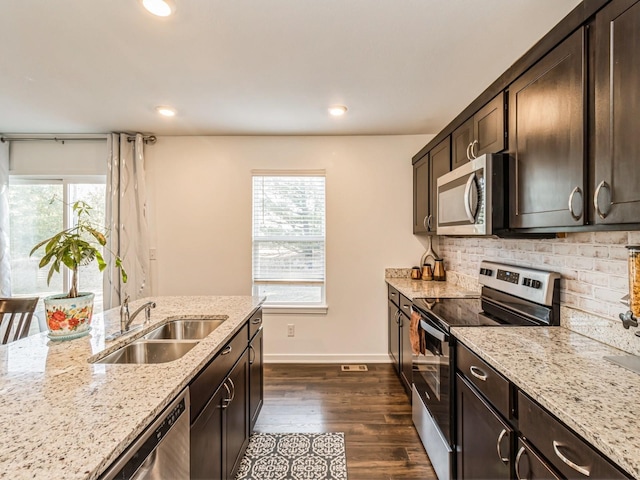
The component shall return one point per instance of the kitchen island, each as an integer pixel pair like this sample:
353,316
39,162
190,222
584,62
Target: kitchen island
566,373
65,417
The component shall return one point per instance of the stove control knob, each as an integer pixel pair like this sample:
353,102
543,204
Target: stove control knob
526,282
536,283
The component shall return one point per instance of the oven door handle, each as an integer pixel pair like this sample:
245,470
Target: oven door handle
434,332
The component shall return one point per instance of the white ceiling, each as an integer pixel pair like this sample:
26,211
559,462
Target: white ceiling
266,67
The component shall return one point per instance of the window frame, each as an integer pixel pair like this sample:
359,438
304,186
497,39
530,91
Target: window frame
319,307
67,212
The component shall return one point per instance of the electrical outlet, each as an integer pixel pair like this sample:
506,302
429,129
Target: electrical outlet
291,330
152,254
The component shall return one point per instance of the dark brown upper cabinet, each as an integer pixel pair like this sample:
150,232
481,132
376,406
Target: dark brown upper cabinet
547,139
426,171
485,132
616,179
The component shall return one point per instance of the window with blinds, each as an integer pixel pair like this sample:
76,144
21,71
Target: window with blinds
289,238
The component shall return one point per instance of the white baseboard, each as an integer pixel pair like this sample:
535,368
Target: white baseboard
326,358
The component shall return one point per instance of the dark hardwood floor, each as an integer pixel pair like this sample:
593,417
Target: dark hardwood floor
371,408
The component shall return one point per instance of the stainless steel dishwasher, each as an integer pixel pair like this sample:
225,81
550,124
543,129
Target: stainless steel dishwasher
161,451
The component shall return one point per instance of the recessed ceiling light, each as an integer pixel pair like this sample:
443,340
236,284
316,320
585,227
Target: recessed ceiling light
337,110
166,111
161,8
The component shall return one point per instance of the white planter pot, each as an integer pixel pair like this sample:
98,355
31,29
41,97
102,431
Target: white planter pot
69,318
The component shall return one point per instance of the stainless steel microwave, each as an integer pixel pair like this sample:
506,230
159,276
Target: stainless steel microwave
472,199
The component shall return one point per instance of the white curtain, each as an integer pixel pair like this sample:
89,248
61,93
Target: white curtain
5,260
127,220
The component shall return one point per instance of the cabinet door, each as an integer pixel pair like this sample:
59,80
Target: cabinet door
482,133
530,465
484,439
207,448
440,163
488,127
617,85
406,359
461,138
256,377
421,194
394,335
236,427
546,130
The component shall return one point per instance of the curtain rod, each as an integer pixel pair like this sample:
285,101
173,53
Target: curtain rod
148,139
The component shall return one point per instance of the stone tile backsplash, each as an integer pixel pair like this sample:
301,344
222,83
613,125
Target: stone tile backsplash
593,266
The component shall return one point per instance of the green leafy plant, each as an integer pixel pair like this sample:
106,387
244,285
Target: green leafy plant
75,247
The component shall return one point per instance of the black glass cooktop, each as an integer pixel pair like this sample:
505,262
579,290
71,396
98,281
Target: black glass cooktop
455,312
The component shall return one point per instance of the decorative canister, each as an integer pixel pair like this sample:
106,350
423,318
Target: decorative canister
634,280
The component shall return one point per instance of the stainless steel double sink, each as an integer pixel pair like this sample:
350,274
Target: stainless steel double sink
166,343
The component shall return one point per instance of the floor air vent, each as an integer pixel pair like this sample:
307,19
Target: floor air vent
354,368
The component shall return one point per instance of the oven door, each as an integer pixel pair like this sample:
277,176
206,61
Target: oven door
432,375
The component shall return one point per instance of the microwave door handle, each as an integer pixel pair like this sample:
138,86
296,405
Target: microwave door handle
471,200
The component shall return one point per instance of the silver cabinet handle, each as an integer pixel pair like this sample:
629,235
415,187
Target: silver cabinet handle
424,222
226,401
571,195
500,437
252,350
256,321
398,315
578,468
518,457
226,351
596,199
471,198
233,391
468,154
473,154
429,222
479,374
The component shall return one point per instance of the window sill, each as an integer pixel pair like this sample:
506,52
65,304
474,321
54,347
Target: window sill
295,309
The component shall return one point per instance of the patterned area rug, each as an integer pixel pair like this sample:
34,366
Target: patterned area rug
294,456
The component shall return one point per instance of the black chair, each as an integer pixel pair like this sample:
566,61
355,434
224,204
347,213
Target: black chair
15,317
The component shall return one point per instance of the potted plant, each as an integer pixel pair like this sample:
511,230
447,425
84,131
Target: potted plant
69,315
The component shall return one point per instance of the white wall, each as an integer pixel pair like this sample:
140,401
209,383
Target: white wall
200,207
57,158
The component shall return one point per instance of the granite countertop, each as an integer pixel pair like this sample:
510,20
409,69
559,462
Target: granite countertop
429,289
63,417
565,372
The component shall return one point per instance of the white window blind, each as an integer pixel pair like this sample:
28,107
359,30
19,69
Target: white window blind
289,238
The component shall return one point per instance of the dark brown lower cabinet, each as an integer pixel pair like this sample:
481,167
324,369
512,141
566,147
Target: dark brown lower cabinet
406,360
484,439
394,334
569,454
256,376
220,433
532,466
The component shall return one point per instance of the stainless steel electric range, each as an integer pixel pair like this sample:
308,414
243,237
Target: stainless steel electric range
510,296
